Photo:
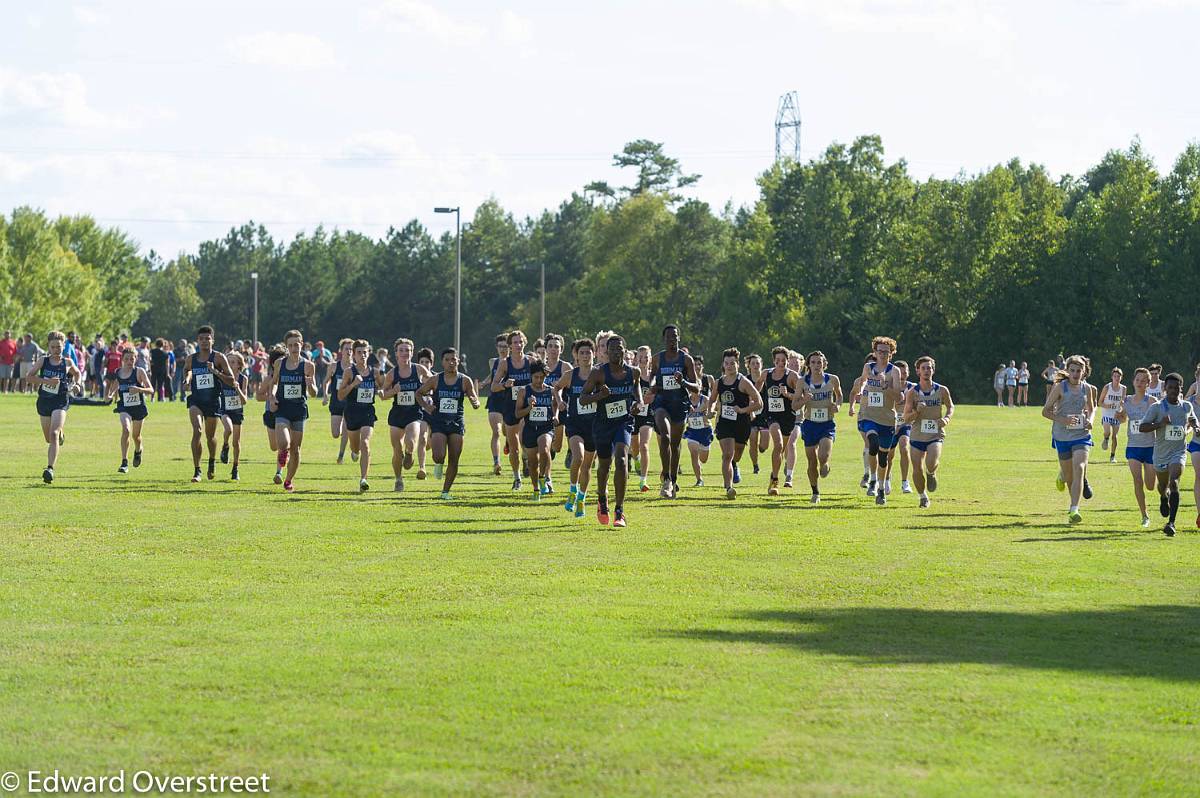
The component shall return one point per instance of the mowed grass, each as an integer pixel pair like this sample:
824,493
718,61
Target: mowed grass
394,645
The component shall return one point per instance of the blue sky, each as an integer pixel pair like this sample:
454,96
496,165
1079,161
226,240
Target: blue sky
175,121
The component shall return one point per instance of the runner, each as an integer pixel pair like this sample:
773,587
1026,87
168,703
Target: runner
538,403
262,393
643,422
131,388
233,403
1071,409
882,387
1112,398
358,389
738,401
779,389
673,375
1155,389
203,370
760,436
404,419
495,403
616,390
855,395
903,432
424,358
1139,446
578,423
292,382
699,432
554,371
511,376
54,376
1023,385
1194,390
708,383
1169,420
442,394
928,409
795,362
337,408
821,397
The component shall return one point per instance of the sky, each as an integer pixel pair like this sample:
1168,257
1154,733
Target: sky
177,121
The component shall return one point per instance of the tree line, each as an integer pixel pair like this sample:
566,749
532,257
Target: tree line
972,269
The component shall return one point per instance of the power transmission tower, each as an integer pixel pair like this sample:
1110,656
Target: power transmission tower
787,127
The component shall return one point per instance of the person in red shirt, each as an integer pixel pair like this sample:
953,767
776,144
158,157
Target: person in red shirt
8,356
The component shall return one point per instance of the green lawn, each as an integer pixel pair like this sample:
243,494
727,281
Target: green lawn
395,645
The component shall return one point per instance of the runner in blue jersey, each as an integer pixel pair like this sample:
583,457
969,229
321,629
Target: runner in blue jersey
511,376
292,382
555,366
359,389
131,388
404,418
578,424
443,396
539,405
337,408
615,388
53,378
205,372
820,400
643,421
233,413
1139,446
699,432
495,403
673,375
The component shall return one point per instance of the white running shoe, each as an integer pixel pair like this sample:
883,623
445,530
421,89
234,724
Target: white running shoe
905,487
887,487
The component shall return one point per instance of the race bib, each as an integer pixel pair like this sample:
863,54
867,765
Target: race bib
50,389
584,410
516,392
643,410
448,406
875,399
818,414
1175,432
204,381
407,398
615,410
774,404
131,398
292,390
929,426
1076,424
366,395
729,412
231,402
696,422
670,382
1135,426
539,415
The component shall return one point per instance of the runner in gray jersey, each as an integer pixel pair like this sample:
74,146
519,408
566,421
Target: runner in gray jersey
1070,407
1170,421
1139,446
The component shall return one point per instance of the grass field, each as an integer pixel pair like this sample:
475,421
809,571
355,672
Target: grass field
394,645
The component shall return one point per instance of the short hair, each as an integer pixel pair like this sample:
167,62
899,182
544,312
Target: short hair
238,356
425,352
1156,366
923,359
56,335
362,343
342,342
674,327
449,351
536,366
290,334
580,343
276,352
614,337
883,339
554,337
399,341
1174,375
698,359
780,350
733,353
903,364
1117,370
1141,370
539,343
502,339
817,353
206,328
516,334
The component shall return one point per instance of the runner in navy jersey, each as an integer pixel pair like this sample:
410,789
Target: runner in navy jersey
131,388
511,376
425,358
233,404
673,374
555,367
539,405
616,390
52,378
643,421
204,372
262,392
359,389
578,424
292,382
442,395
404,418
778,388
337,408
495,403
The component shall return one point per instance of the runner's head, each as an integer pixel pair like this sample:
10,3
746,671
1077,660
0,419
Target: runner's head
128,358
294,341
795,361
362,348
1076,369
584,352
1141,378
425,357
615,347
602,341
235,361
450,360
403,347
816,361
670,336
779,356
539,348
730,359
1173,386
699,361
1155,370
1024,365
925,368
753,363
345,348
554,347
516,342
501,345
537,372
1117,376
902,367
54,342
276,352
882,348
643,357
204,338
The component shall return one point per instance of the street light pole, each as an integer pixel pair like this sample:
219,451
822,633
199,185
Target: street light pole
254,341
543,333
457,275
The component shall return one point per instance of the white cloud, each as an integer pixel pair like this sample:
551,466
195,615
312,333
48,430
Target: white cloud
283,50
515,29
50,98
86,15
413,16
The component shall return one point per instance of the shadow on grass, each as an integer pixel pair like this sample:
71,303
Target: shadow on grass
1158,641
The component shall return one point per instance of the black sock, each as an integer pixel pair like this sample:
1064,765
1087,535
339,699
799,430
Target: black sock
1173,498
872,443
815,490
883,462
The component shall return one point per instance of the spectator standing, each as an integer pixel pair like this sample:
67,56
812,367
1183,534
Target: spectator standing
159,378
8,360
323,358
29,353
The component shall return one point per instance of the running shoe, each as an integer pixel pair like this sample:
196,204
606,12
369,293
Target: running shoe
756,468
438,470
537,495
664,490
1059,483
700,484
1146,522
887,487
570,455
546,490
420,473
880,498
496,469
1169,530
904,486
233,475
619,518
816,498
1164,506
824,471
212,468
48,475
773,489
398,485
353,456
196,476
1112,459
62,438
931,482
278,476
225,454
643,486
363,487
1074,517
862,483
516,483
446,496
408,460
579,510
1087,489
871,488
525,469
287,485
506,448
124,467
339,459
549,488
924,501
1104,443
731,492
737,474
602,512
137,458
569,504
787,483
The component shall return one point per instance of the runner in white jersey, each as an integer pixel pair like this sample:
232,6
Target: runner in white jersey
927,408
1112,398
820,398
760,437
855,395
1139,446
881,389
903,433
1155,389
1070,407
